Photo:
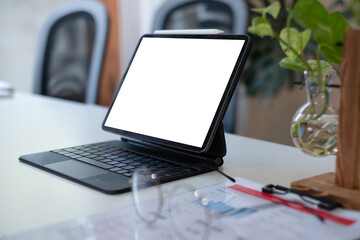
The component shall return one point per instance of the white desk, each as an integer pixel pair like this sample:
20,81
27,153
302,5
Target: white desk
31,198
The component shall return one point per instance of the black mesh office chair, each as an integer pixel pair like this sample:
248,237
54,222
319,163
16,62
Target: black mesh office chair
231,16
70,52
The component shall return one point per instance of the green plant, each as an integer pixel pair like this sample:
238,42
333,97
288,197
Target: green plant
313,21
263,76
326,29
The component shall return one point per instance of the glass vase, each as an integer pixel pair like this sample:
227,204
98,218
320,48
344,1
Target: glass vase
314,126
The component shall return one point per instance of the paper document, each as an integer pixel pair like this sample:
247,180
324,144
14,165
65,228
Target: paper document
242,212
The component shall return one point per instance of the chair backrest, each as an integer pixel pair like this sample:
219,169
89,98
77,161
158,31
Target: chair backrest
231,16
71,51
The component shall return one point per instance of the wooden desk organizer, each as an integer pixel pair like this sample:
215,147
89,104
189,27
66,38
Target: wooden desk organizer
344,185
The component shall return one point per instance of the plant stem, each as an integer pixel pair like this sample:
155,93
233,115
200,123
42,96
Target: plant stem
322,86
288,20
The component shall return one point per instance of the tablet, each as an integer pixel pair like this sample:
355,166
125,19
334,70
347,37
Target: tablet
176,89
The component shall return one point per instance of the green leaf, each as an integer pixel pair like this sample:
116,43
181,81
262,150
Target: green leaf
261,27
338,24
272,9
294,39
328,29
332,53
325,66
310,14
292,64
330,47
261,11
297,65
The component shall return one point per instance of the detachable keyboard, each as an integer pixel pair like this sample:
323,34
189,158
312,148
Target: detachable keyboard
122,161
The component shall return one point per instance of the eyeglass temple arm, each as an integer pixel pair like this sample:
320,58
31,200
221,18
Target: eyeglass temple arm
324,203
215,168
225,175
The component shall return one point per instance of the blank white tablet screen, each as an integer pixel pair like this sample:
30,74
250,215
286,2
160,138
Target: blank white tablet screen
173,88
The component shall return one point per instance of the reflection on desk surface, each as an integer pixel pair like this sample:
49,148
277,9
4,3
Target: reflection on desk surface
35,123
279,222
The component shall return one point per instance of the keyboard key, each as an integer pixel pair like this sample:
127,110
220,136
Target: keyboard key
70,149
115,169
124,153
155,169
135,164
107,155
146,165
120,165
79,152
69,154
120,159
85,154
93,162
128,167
138,158
92,151
106,160
112,162
127,161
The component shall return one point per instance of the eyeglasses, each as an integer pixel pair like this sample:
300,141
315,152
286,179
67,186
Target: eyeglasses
188,224
146,183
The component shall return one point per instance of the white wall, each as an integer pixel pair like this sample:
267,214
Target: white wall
20,25
21,22
135,20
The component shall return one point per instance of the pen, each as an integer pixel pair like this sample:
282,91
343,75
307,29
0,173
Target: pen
320,202
189,31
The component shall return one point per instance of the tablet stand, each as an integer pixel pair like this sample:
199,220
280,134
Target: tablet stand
218,145
214,155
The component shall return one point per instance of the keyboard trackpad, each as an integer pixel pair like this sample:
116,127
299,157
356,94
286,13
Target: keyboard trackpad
75,169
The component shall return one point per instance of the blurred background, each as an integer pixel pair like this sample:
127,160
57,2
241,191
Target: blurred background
265,102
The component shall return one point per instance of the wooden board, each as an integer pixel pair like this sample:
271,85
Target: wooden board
348,158
343,186
324,185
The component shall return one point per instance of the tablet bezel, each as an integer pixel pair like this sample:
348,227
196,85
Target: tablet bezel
221,109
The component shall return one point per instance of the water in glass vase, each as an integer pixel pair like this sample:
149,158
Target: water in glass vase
314,126
316,137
